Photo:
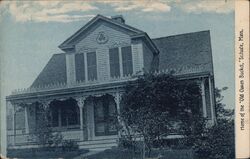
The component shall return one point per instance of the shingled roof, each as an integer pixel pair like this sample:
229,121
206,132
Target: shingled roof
185,51
178,52
54,72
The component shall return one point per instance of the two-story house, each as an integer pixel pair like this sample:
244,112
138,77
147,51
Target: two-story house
82,86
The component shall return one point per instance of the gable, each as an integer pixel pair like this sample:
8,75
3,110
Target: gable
92,25
103,35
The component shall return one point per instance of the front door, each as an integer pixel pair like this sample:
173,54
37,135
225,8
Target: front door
105,116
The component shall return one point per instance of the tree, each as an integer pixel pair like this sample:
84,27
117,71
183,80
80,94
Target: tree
154,106
217,142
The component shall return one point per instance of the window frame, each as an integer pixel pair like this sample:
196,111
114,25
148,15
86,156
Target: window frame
114,66
91,68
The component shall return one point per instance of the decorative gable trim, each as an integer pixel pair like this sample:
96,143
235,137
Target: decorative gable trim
67,43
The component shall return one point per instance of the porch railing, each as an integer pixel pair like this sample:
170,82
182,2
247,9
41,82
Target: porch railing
31,138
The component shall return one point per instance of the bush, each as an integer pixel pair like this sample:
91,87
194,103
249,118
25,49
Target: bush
217,142
70,145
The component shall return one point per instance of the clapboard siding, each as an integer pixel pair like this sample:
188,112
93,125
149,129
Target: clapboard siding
70,68
147,58
137,56
89,43
102,63
116,38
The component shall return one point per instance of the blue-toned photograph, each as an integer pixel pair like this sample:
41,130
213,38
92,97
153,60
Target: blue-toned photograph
117,79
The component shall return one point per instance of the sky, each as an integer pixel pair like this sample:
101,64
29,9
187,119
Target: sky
30,32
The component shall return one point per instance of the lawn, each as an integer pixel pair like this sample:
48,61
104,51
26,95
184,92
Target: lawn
44,153
114,153
117,153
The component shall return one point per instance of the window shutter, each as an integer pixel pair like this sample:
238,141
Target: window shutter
127,60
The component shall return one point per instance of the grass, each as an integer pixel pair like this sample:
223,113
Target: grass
117,153
114,153
44,153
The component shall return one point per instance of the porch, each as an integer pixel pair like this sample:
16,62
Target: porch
89,120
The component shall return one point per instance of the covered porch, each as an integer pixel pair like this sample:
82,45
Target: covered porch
82,118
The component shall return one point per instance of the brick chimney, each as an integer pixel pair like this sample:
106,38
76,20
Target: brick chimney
118,18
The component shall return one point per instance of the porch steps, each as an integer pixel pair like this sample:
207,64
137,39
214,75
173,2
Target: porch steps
98,145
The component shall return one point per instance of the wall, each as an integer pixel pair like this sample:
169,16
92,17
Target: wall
147,58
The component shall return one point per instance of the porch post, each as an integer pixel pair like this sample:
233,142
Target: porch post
80,103
203,97
117,97
9,104
117,101
26,119
212,105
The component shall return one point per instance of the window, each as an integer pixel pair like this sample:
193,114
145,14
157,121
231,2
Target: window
127,63
9,119
20,120
114,62
92,67
80,68
69,115
55,116
65,113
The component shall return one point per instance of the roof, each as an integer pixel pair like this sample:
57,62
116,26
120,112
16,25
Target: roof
53,73
185,52
182,52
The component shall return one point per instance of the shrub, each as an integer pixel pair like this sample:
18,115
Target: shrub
70,145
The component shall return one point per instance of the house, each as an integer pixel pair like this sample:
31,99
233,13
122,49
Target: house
82,86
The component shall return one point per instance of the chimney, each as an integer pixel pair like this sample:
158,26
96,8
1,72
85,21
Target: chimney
118,18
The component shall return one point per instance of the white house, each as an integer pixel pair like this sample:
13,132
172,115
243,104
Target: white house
82,86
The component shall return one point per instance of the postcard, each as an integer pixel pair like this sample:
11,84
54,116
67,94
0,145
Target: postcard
124,79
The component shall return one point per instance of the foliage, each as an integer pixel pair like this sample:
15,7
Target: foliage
118,153
217,142
155,105
69,145
44,132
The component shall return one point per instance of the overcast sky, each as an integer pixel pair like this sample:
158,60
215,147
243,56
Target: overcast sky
31,31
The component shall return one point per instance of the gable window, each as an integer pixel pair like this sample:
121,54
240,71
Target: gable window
114,62
91,65
127,63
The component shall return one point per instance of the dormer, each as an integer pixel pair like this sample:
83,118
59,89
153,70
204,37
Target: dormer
107,48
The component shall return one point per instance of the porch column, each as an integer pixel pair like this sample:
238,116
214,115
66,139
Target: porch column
211,93
80,103
9,104
203,97
26,119
117,97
